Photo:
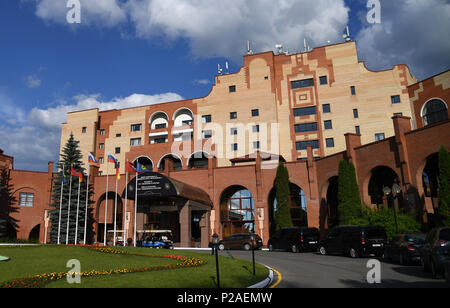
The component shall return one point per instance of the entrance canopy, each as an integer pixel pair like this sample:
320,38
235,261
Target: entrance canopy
157,187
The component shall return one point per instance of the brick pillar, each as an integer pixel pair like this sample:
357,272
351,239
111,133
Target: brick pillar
402,125
205,229
212,164
258,176
185,225
314,200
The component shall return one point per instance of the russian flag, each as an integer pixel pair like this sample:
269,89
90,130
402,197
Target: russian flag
92,159
112,159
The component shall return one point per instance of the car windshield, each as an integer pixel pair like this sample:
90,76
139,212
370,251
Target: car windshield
415,238
444,235
375,233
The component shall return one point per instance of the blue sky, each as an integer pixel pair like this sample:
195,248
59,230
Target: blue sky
132,52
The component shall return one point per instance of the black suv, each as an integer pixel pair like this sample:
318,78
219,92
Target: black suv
435,251
356,241
240,241
295,239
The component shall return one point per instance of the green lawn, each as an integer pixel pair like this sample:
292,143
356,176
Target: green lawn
26,261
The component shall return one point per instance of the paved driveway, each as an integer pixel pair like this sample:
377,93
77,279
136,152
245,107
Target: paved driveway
310,270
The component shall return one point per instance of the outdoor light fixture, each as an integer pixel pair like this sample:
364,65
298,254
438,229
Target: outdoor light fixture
394,192
387,191
397,189
215,240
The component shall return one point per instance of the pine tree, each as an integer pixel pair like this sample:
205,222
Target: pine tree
7,202
282,215
71,157
349,206
444,187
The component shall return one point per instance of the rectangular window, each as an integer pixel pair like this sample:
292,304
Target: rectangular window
353,90
233,115
395,99
100,160
117,150
326,108
26,199
159,140
187,123
161,126
306,111
305,83
323,80
135,142
136,127
118,135
358,130
355,113
102,132
83,130
255,113
328,124
206,134
206,119
256,145
232,89
398,114
379,137
234,147
302,145
100,173
101,146
256,128
307,127
330,142
234,131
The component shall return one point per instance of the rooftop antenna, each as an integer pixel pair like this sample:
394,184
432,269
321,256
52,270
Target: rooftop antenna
280,48
306,47
346,36
249,51
219,69
226,66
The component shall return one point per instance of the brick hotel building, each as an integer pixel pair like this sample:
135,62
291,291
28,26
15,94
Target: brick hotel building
214,158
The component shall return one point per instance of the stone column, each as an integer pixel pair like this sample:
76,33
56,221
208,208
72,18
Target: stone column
185,226
205,229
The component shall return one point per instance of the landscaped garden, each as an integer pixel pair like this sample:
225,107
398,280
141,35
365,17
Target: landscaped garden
129,267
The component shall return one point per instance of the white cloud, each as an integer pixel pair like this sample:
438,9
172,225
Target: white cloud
201,82
33,81
413,32
216,28
35,137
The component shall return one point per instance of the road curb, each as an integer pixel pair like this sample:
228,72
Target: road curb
265,283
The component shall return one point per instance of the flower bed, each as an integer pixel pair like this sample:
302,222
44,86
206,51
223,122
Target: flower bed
37,281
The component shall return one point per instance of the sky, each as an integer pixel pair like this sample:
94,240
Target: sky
127,53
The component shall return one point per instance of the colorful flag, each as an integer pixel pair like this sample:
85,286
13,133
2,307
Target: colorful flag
117,171
129,167
63,178
73,172
91,159
141,168
112,159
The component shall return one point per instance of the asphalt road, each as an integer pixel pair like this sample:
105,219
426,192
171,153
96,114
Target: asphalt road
311,270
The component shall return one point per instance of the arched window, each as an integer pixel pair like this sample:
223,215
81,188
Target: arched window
198,160
183,117
177,164
434,111
159,120
237,211
144,161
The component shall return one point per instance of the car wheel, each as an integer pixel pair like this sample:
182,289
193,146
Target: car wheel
221,247
322,250
353,253
294,248
247,247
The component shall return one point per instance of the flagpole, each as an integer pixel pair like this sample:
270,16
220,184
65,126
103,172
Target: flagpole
115,212
60,205
68,210
124,218
135,207
86,208
106,202
78,209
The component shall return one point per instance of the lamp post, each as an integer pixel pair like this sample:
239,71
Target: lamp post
395,192
215,239
252,238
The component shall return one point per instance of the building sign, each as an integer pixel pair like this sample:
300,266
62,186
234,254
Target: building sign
151,185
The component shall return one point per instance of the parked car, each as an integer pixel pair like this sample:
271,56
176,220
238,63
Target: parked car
295,239
404,248
159,239
356,241
435,251
240,241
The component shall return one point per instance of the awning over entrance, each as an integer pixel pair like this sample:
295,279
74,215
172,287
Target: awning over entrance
154,186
